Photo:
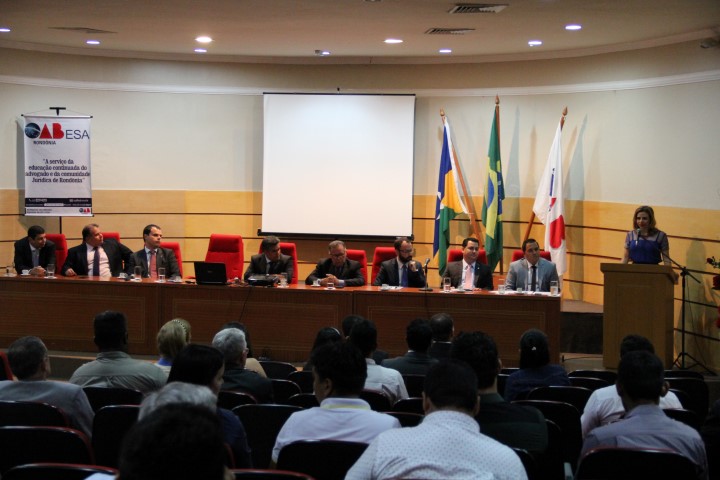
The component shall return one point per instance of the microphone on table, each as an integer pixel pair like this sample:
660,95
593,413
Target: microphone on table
425,267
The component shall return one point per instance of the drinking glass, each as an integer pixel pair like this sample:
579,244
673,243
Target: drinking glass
50,270
501,289
161,274
446,284
554,290
330,286
137,273
283,280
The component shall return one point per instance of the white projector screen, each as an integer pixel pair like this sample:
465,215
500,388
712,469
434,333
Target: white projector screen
338,165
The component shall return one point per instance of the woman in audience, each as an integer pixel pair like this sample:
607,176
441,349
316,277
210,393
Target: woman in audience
203,365
251,362
535,368
172,337
325,336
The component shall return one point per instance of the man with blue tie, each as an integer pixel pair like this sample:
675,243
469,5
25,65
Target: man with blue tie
402,270
98,256
468,273
153,256
531,273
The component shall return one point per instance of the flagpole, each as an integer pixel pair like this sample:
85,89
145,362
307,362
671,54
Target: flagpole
532,214
468,200
497,116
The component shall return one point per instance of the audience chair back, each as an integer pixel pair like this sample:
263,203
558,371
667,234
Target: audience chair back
698,392
551,462
229,399
360,256
501,382
303,379
575,396
633,463
175,247
103,396
113,235
5,371
456,254
284,389
607,375
688,417
590,383
302,400
529,463
377,400
31,414
321,459
110,425
682,397
262,424
380,255
56,471
227,249
409,405
414,384
61,249
683,374
518,254
21,445
257,474
407,419
277,370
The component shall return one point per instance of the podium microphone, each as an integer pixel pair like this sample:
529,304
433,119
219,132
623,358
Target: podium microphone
425,267
637,239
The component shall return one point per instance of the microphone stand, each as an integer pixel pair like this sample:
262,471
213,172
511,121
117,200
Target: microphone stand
680,359
426,288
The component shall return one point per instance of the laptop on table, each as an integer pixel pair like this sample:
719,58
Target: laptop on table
210,273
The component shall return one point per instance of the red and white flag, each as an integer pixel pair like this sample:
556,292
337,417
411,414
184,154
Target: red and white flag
549,204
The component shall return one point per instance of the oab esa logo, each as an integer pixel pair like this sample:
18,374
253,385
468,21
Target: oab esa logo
33,130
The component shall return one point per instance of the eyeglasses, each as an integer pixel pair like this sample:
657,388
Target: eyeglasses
337,255
408,252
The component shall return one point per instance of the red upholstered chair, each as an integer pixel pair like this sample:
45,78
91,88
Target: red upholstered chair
114,235
455,255
5,372
175,247
359,256
381,254
22,445
227,249
289,248
61,249
518,254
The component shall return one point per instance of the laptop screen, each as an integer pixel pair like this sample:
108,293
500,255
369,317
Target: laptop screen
210,273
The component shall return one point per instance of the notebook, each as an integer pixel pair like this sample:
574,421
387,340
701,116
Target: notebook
210,273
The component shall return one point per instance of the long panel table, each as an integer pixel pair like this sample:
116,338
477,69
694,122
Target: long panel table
282,322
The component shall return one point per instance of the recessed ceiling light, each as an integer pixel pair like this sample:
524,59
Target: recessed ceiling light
93,42
4,30
393,40
322,53
445,50
535,43
200,50
573,26
204,39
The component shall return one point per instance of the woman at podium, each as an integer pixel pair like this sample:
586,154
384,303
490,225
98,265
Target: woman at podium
645,243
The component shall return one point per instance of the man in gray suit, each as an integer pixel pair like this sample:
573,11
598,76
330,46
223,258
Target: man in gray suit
271,261
468,272
164,257
531,272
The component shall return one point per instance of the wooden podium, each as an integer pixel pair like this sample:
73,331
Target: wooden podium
637,299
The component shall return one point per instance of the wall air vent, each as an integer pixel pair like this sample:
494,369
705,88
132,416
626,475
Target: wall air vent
449,31
477,8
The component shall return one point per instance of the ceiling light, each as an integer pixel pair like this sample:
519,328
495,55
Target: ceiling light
4,30
322,53
535,43
445,50
393,40
200,50
573,27
93,42
204,39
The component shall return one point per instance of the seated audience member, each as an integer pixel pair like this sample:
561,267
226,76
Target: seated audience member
34,252
443,330
338,269
418,336
401,271
172,337
386,380
203,365
251,363
605,405
179,442
271,261
113,367
531,272
30,363
325,336
447,444
535,368
231,344
175,393
468,272
640,384
516,426
339,372
347,323
153,256
98,256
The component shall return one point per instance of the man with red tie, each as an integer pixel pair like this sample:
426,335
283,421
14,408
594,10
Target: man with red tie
153,256
98,256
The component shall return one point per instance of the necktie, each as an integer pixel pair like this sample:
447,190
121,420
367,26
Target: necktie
533,284
153,264
36,257
271,266
96,263
468,284
404,277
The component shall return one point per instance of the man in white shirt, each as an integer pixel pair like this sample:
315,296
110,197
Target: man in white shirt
447,444
339,372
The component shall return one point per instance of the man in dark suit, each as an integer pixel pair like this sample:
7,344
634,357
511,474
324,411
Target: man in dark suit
164,257
402,270
337,269
97,256
271,261
520,274
418,336
468,272
34,252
